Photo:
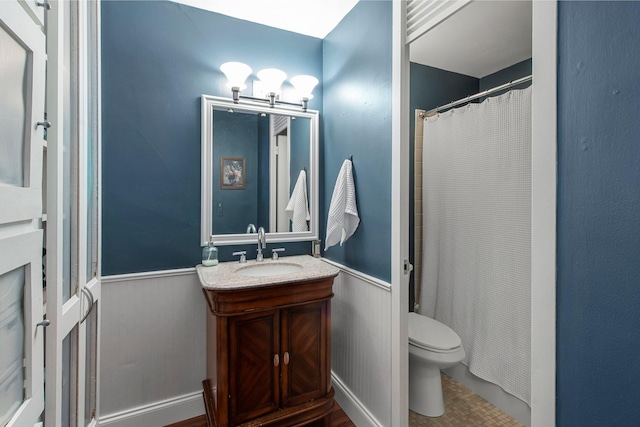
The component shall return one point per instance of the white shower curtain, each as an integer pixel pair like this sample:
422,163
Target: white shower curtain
477,234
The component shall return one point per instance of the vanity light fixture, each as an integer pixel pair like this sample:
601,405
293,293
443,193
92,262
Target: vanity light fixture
272,79
236,73
304,85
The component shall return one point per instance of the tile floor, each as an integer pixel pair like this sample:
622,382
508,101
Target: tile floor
464,408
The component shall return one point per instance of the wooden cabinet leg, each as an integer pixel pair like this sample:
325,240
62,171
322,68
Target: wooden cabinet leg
326,420
209,405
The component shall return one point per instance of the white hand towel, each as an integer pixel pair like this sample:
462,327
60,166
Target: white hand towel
298,207
343,213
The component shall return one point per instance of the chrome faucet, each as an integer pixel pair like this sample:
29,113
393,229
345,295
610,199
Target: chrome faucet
262,244
251,228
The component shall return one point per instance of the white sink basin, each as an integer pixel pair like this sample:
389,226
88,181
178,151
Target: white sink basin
268,269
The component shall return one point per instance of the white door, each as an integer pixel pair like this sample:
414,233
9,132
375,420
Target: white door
283,182
73,277
22,71
279,181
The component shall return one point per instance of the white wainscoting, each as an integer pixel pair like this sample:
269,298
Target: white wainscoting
360,347
153,352
153,348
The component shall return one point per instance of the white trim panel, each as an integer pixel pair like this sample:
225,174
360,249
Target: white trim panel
153,341
23,250
161,274
358,274
360,345
33,10
543,214
26,201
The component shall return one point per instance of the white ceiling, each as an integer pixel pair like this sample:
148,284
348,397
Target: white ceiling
314,18
481,38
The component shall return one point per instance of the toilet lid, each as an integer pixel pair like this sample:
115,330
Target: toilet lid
429,333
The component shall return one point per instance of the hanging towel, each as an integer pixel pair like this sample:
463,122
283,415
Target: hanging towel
298,207
343,213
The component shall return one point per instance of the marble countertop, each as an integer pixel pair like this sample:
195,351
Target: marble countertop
224,277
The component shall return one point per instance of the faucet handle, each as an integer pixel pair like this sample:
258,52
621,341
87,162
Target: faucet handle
243,256
262,238
274,253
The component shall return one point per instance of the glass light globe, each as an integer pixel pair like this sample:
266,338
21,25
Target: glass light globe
272,79
304,85
236,73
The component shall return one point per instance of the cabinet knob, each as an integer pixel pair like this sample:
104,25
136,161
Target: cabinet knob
276,360
286,358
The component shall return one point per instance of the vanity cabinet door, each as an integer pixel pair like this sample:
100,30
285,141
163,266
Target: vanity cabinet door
305,358
254,349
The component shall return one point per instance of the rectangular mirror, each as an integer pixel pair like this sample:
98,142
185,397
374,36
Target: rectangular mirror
253,156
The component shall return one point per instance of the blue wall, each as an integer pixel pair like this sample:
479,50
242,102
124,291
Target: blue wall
264,143
514,72
158,57
299,132
357,121
236,136
598,275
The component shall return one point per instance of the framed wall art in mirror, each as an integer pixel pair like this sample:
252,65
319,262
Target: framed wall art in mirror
271,154
232,173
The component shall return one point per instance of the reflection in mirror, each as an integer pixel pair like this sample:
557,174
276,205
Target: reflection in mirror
259,169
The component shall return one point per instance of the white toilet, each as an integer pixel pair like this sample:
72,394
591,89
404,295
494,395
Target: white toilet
432,346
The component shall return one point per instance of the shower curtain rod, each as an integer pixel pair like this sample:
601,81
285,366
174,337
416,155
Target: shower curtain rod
476,96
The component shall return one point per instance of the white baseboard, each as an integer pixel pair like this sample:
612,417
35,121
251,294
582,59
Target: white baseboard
159,413
191,405
350,404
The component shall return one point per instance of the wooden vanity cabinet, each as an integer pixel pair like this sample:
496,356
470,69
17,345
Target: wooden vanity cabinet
268,358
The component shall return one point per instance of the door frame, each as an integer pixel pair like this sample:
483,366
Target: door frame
275,184
543,212
85,293
399,217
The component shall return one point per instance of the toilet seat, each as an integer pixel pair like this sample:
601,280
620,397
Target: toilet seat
429,334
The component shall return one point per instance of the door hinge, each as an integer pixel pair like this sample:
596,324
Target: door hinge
408,267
